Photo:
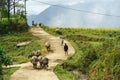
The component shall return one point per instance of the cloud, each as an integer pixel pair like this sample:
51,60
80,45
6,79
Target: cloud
36,7
70,2
78,18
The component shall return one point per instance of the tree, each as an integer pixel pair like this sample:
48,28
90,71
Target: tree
2,8
25,7
14,7
8,5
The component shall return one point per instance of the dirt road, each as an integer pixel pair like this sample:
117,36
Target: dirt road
26,71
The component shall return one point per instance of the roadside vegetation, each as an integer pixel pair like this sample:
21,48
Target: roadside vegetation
12,16
4,60
97,52
15,24
14,30
8,72
19,54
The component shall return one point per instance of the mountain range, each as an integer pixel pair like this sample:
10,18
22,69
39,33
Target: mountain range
91,14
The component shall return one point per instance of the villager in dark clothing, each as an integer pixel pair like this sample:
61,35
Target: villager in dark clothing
66,49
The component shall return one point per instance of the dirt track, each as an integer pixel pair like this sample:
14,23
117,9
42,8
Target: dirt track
26,71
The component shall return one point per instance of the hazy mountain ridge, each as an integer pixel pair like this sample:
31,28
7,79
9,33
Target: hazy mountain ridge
57,16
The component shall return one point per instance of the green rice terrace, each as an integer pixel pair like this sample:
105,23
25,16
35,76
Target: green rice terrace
97,52
93,53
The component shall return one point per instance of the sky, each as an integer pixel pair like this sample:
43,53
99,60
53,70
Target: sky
35,7
110,7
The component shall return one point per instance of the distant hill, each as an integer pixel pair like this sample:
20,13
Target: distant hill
57,16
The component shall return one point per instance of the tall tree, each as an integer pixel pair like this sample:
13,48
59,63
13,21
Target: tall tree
8,6
2,7
25,7
14,7
15,3
0,10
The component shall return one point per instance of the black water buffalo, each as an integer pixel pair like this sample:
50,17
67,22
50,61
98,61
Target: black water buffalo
38,53
47,45
58,31
34,60
31,55
34,53
44,62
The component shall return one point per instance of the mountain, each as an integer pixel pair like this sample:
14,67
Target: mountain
77,15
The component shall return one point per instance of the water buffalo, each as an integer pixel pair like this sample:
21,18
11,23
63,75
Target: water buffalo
34,53
31,54
58,31
34,60
47,45
44,62
38,53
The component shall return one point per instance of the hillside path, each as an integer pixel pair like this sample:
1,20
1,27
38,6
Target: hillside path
26,71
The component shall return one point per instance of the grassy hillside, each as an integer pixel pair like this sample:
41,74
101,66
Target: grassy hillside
19,54
97,52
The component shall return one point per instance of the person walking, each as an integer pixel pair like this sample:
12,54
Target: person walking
66,49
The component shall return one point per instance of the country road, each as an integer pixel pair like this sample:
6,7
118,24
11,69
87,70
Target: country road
26,71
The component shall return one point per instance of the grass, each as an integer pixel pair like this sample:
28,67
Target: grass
19,55
7,72
63,74
97,52
71,63
92,32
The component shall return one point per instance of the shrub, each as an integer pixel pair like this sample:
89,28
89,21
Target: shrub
98,52
4,60
12,25
107,67
90,54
